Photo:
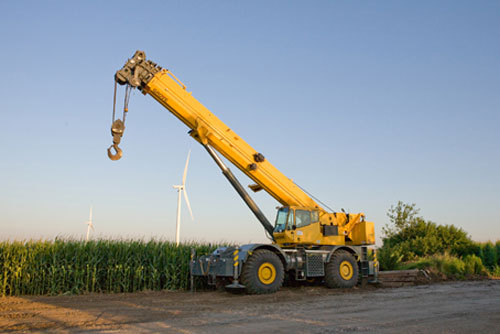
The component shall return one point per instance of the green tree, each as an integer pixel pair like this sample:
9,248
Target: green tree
497,246
401,216
489,255
409,236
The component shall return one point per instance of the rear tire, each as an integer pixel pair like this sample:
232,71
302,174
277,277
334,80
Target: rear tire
341,271
262,272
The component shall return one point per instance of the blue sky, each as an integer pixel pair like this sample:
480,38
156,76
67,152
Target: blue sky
361,103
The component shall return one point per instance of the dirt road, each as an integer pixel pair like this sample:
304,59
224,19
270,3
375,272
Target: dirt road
458,307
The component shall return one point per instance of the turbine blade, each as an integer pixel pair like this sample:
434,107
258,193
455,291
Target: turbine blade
186,169
187,202
90,214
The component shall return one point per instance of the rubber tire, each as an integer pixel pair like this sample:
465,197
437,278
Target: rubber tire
250,277
333,279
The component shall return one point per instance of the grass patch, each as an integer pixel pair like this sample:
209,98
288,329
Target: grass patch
450,267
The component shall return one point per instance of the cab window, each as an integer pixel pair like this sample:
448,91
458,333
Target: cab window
302,218
314,216
281,220
290,222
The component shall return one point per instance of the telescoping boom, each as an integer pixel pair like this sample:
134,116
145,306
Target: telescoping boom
301,226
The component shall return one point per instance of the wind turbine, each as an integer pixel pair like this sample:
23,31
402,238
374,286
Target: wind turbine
89,224
182,189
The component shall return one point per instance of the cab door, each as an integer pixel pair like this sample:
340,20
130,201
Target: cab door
302,222
290,225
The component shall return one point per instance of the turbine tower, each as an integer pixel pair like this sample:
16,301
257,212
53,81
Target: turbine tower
89,224
182,189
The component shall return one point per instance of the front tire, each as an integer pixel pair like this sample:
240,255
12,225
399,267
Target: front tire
341,271
262,272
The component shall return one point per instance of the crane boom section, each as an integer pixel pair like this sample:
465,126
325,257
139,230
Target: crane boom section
207,128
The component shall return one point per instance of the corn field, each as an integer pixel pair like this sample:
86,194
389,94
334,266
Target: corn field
76,267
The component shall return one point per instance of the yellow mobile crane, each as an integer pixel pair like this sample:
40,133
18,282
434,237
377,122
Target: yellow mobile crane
308,241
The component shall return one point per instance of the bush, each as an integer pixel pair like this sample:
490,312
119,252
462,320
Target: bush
388,258
424,263
453,267
474,265
450,266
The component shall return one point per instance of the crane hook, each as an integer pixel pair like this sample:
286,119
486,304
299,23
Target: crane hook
117,129
118,125
118,152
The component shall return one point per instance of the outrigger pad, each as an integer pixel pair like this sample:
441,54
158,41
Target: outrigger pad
235,287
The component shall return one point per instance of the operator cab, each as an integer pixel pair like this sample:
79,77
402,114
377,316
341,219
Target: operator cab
291,218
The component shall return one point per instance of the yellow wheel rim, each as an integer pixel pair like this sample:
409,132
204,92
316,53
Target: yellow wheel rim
346,270
267,273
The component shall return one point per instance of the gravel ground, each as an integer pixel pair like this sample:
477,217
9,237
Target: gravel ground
452,307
